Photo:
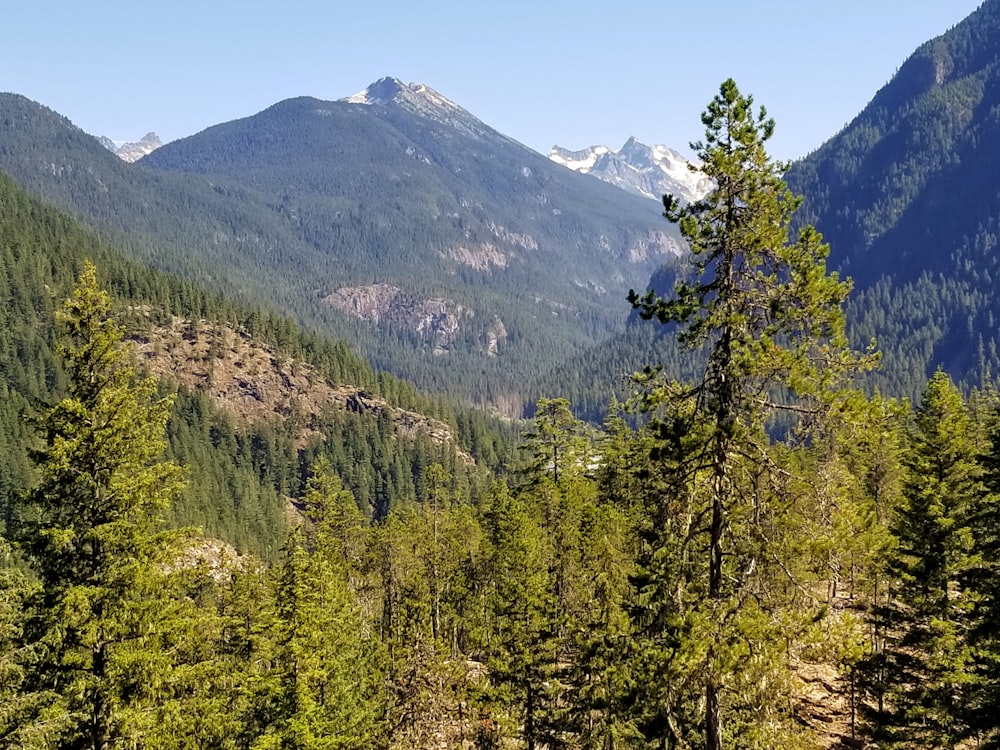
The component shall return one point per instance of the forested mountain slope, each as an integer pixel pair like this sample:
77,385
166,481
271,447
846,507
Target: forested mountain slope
695,582
908,196
445,250
258,400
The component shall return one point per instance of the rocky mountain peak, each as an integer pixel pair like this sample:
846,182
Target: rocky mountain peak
650,171
133,150
390,91
383,91
636,153
422,100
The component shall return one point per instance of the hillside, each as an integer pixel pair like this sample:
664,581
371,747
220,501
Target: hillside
257,400
502,262
907,194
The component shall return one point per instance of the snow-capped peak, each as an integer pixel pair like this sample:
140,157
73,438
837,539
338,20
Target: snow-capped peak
580,161
638,168
132,150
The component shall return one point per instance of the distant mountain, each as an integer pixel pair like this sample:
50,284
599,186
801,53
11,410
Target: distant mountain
423,101
132,151
499,261
255,395
648,171
908,196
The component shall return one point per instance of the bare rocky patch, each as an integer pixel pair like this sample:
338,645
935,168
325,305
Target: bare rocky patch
482,257
653,245
255,384
435,319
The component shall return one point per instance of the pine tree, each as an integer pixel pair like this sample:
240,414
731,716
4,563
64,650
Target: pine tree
326,690
556,441
768,318
520,637
91,530
928,655
14,590
985,580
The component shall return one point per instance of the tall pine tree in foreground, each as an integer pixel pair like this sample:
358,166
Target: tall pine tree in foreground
768,318
91,531
985,580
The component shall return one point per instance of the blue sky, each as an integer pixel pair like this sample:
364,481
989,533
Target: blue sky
544,72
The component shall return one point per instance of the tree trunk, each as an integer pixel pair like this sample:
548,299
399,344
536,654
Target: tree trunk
713,717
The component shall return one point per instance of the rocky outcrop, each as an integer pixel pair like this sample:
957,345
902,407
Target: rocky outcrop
496,337
437,320
519,240
653,245
254,384
482,257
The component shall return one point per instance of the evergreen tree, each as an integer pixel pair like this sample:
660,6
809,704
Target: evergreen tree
520,638
556,441
14,590
769,319
985,580
91,531
928,656
326,690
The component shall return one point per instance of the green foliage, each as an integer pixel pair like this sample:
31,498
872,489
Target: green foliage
90,530
520,617
283,208
668,582
769,320
907,197
325,689
928,658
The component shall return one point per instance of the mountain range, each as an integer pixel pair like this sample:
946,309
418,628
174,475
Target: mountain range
444,250
648,171
908,196
131,151
451,254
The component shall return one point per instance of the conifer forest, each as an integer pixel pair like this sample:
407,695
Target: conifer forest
759,544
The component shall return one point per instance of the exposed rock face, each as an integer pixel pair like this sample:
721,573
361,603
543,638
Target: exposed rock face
482,257
489,255
134,150
254,384
220,559
496,337
420,99
437,320
653,245
519,240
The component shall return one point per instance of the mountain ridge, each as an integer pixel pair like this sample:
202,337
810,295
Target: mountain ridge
132,151
310,197
649,171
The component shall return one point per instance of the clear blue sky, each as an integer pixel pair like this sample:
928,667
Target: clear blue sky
573,73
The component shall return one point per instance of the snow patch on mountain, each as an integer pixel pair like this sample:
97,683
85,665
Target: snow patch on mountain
638,168
132,151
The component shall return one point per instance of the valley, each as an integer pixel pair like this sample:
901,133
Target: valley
357,423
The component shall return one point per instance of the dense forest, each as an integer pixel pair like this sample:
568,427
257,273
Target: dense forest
751,552
254,465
